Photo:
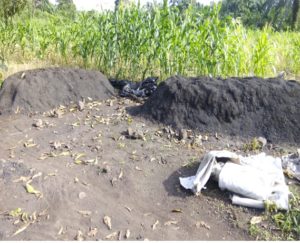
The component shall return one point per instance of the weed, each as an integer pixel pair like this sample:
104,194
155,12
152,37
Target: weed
254,145
289,222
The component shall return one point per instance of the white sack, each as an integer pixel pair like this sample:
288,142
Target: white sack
207,166
247,202
256,179
245,180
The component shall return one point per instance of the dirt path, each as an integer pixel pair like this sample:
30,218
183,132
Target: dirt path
85,168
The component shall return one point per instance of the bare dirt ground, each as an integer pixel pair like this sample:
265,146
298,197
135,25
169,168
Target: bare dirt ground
94,172
62,172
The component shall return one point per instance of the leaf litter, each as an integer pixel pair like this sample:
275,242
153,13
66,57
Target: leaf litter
127,234
155,225
171,222
30,143
24,217
111,236
30,189
107,222
203,225
93,232
79,236
85,212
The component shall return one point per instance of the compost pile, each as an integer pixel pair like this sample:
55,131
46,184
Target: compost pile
244,107
44,89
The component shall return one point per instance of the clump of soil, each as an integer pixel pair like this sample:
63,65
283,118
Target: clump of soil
44,89
235,106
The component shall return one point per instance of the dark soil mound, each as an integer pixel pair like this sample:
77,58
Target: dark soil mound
44,89
235,106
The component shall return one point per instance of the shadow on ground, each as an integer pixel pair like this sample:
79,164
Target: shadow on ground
173,187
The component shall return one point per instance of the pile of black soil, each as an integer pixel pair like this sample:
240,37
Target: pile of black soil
243,107
44,89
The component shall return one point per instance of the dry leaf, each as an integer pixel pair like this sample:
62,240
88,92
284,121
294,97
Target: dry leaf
121,175
77,160
138,168
22,179
75,124
202,224
44,156
36,175
85,183
93,232
176,210
52,174
170,222
79,236
155,225
111,236
20,230
91,161
61,230
16,222
38,123
107,221
72,109
15,213
33,216
81,105
84,212
121,145
24,217
113,180
79,155
11,154
127,234
56,145
17,111
30,189
255,220
29,144
128,208
43,213
65,153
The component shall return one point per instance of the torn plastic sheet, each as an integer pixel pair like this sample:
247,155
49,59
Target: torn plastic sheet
253,180
141,89
291,164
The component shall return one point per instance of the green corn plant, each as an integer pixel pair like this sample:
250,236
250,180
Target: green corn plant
261,53
134,42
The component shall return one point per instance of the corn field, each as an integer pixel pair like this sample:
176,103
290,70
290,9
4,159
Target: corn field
136,42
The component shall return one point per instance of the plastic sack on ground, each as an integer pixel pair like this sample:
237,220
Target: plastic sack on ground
141,89
291,164
253,180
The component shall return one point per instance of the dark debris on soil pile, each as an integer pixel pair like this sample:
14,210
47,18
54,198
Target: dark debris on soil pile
44,89
245,107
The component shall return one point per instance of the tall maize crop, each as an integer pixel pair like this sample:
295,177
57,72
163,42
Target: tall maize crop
135,42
